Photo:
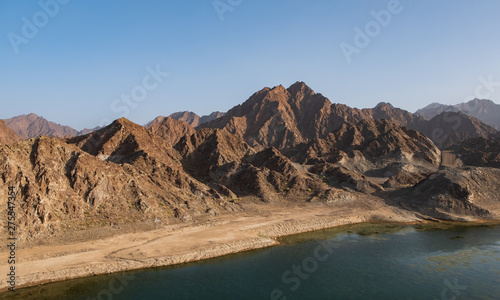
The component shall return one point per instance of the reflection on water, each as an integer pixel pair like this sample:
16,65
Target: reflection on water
363,261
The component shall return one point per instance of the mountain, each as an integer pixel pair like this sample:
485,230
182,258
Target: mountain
281,146
456,194
278,117
170,129
87,130
284,118
117,175
187,116
374,140
370,153
485,110
31,125
193,119
434,109
449,128
7,135
479,151
210,117
234,169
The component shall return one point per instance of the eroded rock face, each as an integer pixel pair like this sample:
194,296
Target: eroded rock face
375,141
230,166
371,155
449,128
480,152
119,174
455,193
171,130
283,118
277,117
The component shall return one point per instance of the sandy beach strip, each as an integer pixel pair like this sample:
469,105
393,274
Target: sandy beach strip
182,243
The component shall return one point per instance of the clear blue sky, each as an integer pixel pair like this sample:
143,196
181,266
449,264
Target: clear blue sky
91,52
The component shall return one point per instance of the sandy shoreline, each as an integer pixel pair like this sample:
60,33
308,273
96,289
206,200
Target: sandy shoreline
182,243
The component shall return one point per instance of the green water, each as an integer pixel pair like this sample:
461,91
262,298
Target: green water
353,262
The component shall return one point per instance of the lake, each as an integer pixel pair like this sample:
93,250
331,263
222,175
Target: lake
364,261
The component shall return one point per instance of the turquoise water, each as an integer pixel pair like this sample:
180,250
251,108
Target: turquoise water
354,262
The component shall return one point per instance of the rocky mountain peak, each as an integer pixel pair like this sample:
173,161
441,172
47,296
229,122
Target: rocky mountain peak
384,105
300,87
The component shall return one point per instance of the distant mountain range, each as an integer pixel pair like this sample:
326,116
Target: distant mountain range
485,110
281,146
32,125
286,117
189,117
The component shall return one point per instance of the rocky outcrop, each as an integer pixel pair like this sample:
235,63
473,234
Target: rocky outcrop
370,156
230,166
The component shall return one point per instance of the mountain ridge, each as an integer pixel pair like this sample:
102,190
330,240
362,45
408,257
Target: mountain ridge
483,109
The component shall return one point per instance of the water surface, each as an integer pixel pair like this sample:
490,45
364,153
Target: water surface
364,261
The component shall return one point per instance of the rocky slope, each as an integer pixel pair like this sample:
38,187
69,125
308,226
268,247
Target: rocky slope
281,146
170,129
449,128
376,141
229,165
277,117
193,119
481,152
458,194
485,110
119,174
284,118
371,153
7,135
